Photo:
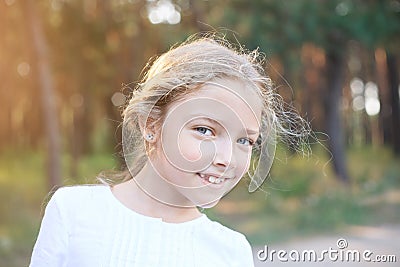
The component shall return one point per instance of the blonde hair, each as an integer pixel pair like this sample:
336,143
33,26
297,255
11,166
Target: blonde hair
184,69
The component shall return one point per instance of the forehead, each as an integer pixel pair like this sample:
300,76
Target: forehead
224,100
233,92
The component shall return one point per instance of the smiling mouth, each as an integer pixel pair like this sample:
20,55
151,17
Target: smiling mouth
211,179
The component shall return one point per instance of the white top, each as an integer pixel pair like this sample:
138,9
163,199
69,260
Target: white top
86,226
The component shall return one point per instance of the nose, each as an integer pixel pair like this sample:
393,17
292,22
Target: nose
224,156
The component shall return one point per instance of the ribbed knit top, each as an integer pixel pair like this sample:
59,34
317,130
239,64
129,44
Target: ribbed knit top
86,226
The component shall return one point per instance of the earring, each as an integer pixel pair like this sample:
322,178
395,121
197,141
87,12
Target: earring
149,137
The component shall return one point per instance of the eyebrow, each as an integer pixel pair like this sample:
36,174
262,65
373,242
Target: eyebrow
203,117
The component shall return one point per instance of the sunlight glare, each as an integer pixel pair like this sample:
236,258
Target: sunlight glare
9,2
372,104
358,103
163,12
356,86
23,69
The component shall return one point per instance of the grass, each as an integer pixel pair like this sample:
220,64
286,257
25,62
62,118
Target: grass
301,197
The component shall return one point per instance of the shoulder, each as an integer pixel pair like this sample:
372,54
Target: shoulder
227,234
80,204
229,243
79,192
233,240
81,196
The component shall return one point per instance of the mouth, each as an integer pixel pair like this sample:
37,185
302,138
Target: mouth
211,179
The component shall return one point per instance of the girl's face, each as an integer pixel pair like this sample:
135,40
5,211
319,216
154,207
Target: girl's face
204,145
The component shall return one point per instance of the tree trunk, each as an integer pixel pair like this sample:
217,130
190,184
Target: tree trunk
335,62
48,101
384,96
393,78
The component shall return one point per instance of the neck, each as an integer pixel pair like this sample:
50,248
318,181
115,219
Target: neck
150,195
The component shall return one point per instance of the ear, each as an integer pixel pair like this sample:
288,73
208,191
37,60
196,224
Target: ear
148,128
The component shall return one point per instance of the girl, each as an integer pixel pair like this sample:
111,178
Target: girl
189,132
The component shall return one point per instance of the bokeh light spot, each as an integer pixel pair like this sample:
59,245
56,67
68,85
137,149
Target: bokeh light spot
23,69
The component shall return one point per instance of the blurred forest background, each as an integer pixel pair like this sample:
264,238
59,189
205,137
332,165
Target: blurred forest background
65,64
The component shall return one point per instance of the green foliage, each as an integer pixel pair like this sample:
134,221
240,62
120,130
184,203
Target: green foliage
94,49
279,27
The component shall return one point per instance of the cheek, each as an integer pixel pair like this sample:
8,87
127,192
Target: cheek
189,148
243,161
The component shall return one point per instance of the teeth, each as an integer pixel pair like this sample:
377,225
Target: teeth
212,179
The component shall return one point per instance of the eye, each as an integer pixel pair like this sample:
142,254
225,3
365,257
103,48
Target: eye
245,141
204,131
